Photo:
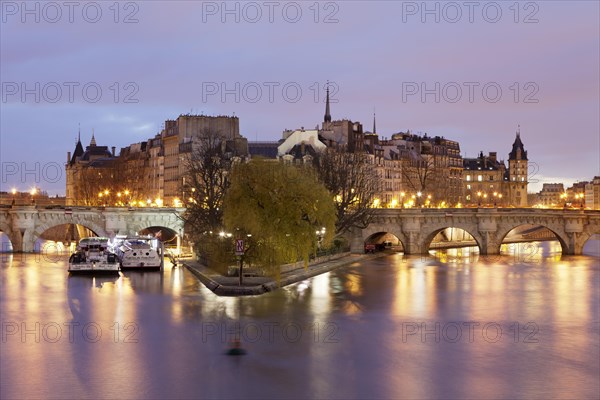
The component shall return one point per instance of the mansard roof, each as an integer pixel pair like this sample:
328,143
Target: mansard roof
96,152
482,163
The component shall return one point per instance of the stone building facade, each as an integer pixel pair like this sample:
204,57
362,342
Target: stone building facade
149,173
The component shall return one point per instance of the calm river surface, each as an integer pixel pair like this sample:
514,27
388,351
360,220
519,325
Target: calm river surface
522,325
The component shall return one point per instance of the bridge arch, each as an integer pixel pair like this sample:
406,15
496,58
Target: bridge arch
430,232
585,238
32,236
9,236
384,237
166,234
558,232
376,229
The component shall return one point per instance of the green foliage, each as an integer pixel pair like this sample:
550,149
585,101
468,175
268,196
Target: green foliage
281,206
216,252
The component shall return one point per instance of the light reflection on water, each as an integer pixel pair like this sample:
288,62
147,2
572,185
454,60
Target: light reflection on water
354,333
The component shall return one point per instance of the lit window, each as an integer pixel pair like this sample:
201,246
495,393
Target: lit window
479,178
469,187
468,178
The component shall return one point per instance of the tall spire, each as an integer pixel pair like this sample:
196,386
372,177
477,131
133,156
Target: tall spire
93,141
519,130
327,113
79,134
374,126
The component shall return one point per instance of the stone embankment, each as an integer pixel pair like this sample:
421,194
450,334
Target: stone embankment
255,285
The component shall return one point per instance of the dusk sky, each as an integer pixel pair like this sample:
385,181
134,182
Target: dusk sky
471,72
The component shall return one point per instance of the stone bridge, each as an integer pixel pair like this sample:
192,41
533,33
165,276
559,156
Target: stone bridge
25,224
416,228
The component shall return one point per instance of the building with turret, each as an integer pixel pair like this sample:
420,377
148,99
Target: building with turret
518,165
151,172
86,170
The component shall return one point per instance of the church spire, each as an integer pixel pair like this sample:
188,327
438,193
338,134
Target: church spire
93,141
327,112
79,134
519,130
374,126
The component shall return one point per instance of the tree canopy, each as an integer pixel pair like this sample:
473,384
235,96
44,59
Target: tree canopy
205,183
353,182
278,208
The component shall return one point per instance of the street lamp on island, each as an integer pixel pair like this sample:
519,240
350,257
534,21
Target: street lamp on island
320,234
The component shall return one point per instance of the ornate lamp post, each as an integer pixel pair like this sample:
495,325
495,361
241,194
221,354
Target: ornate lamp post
14,193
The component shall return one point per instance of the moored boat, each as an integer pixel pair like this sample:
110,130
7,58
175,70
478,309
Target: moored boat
94,254
141,252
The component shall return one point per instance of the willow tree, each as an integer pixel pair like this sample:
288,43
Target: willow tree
280,210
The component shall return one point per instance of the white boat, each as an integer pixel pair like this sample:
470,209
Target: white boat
142,252
94,254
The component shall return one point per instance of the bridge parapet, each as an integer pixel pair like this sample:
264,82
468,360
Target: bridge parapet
25,224
415,228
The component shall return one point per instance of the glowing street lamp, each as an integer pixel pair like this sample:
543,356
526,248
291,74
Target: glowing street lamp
33,191
14,193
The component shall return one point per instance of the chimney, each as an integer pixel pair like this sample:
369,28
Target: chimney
493,157
68,156
113,150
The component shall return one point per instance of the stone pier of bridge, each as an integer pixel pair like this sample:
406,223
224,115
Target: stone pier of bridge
416,228
23,225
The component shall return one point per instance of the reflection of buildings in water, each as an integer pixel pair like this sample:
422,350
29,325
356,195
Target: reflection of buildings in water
353,291
144,281
461,255
81,297
104,324
532,252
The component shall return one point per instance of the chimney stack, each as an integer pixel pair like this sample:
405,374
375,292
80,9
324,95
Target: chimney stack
113,150
68,156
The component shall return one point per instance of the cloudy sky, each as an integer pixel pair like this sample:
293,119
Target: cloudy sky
469,71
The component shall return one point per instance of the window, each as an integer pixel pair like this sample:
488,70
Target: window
522,179
469,187
479,178
468,178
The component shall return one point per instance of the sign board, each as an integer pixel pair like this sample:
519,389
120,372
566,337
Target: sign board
239,247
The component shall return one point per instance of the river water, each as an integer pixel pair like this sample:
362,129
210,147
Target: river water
452,325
